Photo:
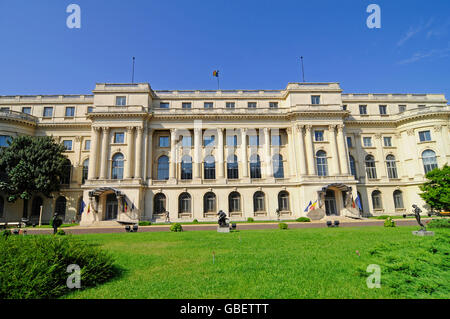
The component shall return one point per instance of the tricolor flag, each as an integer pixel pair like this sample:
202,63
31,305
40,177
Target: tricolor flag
83,205
313,205
216,73
125,206
307,207
89,208
358,202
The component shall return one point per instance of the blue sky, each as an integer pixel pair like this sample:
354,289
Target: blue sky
254,44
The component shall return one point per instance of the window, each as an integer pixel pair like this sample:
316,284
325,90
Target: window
159,203
258,202
371,169
231,140
315,99
85,173
68,145
163,105
391,166
255,166
184,203
273,105
60,206
387,140
367,141
251,105
117,166
208,140
352,166
376,200
318,136
186,167
253,140
383,109
321,163
424,136
209,203
398,200
70,111
186,105
278,169
401,108
344,107
121,100
210,168
363,109
163,141
229,105
283,201
208,105
163,168
186,141
67,170
349,142
4,139
48,111
276,140
234,202
90,109
429,161
26,110
87,145
119,138
232,167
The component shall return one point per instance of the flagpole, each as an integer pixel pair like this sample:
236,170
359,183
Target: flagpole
132,74
303,69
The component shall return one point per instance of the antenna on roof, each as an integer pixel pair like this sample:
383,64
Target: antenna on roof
132,74
303,69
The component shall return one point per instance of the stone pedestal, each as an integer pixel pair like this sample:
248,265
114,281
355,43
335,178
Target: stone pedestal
316,214
223,229
423,233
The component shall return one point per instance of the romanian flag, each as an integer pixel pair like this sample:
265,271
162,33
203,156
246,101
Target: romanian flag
216,73
307,207
125,206
313,205
83,205
353,203
89,208
358,202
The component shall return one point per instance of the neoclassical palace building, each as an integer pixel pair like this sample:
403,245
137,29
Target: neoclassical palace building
135,153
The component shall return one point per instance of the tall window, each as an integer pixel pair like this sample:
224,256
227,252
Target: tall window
383,109
208,140
318,136
387,141
164,105
208,105
258,202
231,140
117,166
163,168
276,140
36,206
425,136
186,167
371,169
363,109
85,171
232,167
184,203
163,141
230,105
159,203
321,163
60,207
186,141
376,200
255,166
352,165
210,167
67,170
253,140
315,99
68,145
119,138
367,141
234,202
283,201
70,111
209,203
391,166
349,142
48,111
278,169
398,200
87,145
429,160
121,100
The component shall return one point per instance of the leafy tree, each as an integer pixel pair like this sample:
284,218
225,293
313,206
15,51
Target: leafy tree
436,191
31,165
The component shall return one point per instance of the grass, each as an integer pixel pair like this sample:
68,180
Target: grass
294,263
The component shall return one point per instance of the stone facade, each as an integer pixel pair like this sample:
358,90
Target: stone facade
136,153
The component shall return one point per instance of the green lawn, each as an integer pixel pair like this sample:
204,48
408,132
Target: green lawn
294,263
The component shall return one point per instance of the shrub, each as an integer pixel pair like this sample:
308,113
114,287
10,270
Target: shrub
195,221
283,226
389,222
439,223
145,223
176,227
250,220
36,266
6,233
60,232
303,220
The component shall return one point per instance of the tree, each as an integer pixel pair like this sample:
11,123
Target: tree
31,165
436,191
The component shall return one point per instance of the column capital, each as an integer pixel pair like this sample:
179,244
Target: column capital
340,128
308,127
332,127
96,129
130,129
243,131
300,127
105,129
140,129
437,128
289,130
220,130
410,132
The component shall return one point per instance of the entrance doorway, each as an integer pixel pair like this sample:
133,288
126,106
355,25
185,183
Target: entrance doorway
330,203
112,207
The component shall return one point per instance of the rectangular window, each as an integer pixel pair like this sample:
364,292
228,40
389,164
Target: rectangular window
276,140
68,145
273,105
70,111
344,107
367,141
121,100
401,108
208,105
387,141
48,112
119,138
230,105
4,140
90,109
363,109
231,140
315,99
186,105
186,141
163,105
87,145
208,140
349,142
318,136
26,110
4,109
425,136
253,140
251,105
163,141
383,109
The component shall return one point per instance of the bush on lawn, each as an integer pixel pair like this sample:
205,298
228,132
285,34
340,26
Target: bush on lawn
303,220
60,232
250,220
195,221
439,223
176,227
283,226
389,222
36,266
145,223
6,233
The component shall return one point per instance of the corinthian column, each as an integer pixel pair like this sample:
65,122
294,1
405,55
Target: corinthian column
197,160
220,153
302,154
138,164
173,154
129,162
244,152
150,153
334,151
309,151
95,136
268,157
104,153
343,156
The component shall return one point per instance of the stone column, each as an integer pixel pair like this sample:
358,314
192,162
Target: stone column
150,153
292,160
360,165
220,153
302,153
380,162
95,136
129,162
310,151
197,156
104,153
244,152
343,155
267,153
138,164
173,154
334,151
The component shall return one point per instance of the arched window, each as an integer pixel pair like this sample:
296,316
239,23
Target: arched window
210,167
232,167
209,202
85,171
60,207
371,170
278,169
117,166
321,163
184,203
398,199
376,200
391,166
159,203
2,206
186,167
255,166
234,202
429,160
258,202
352,166
283,201
163,168
67,170
36,206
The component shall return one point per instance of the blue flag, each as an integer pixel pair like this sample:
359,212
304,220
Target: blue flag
358,202
307,207
83,205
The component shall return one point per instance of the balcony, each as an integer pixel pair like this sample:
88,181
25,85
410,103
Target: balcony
18,117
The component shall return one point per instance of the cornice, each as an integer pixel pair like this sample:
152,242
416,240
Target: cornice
18,121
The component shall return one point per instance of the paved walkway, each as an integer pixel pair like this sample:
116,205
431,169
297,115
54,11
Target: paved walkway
158,228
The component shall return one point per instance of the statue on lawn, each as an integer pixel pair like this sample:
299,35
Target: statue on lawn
416,214
222,219
56,222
